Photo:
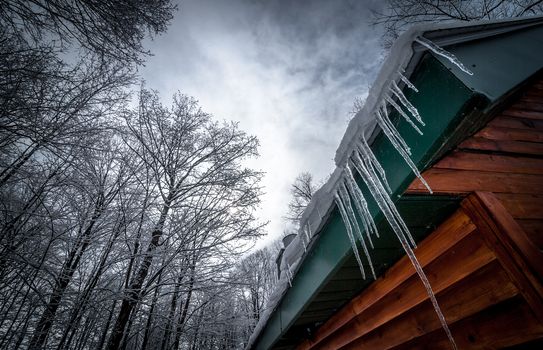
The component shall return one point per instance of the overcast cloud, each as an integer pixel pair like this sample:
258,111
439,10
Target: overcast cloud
287,71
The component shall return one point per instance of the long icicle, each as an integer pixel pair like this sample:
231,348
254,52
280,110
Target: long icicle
302,238
379,193
347,203
376,165
363,163
443,53
357,203
345,219
407,82
384,122
404,101
361,205
307,235
403,114
289,275
393,136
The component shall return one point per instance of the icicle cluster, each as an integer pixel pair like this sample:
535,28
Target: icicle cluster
364,163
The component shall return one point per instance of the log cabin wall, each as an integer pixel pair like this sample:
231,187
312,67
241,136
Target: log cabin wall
506,158
484,262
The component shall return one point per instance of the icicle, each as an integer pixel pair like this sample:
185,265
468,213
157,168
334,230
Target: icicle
407,82
344,195
403,114
306,233
391,132
302,238
412,109
443,53
394,137
380,195
310,234
376,165
400,229
361,205
289,275
350,233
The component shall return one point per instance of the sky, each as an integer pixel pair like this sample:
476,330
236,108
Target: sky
287,71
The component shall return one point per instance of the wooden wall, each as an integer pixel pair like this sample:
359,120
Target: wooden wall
506,158
484,262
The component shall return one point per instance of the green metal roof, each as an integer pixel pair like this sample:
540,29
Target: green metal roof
453,105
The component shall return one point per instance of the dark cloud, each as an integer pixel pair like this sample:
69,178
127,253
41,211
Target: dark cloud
288,71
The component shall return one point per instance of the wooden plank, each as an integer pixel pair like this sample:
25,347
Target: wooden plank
491,162
504,325
522,206
518,255
533,229
534,92
504,121
507,146
531,99
523,114
497,133
447,234
461,261
458,182
535,104
479,291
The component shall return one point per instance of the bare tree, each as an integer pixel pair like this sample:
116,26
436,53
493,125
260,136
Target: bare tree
118,227
301,193
194,163
113,29
400,14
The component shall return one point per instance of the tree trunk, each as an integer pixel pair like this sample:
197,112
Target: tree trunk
149,324
171,314
106,327
184,311
132,294
46,320
79,308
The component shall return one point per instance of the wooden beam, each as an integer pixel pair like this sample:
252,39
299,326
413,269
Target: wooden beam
505,146
518,255
522,205
533,229
525,114
497,133
462,261
504,121
491,163
446,235
458,182
506,324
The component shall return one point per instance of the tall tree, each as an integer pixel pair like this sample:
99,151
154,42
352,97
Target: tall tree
190,157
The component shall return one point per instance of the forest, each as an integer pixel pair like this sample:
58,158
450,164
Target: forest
126,222
122,220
